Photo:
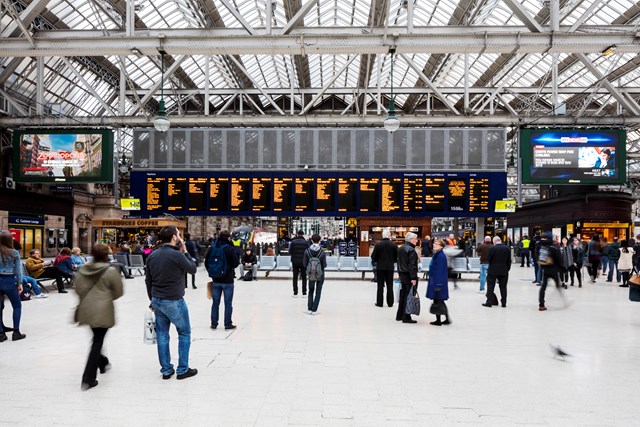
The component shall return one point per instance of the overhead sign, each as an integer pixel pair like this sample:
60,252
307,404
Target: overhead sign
130,204
505,206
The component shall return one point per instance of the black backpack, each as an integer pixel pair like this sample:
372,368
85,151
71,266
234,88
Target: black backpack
314,266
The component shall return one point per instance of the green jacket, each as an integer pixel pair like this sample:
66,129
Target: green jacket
101,285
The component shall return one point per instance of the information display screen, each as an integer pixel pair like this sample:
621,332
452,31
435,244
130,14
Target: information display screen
197,194
282,194
219,194
573,156
320,194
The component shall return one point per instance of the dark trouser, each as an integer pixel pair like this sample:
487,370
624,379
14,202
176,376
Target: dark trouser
303,274
446,310
405,279
96,358
543,286
564,275
8,287
625,277
593,270
122,267
385,276
491,287
52,273
186,280
524,254
315,292
577,269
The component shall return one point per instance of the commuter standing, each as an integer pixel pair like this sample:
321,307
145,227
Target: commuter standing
315,264
384,256
192,248
438,287
604,255
499,259
166,268
97,285
550,260
577,254
524,251
297,247
593,252
625,263
408,271
426,249
11,283
483,251
614,256
566,252
222,281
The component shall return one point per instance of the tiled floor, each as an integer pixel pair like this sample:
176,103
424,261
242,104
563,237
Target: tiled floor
351,365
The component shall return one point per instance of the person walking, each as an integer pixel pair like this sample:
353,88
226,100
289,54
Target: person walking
499,259
550,260
438,285
11,283
222,284
483,251
97,285
384,256
315,264
594,253
297,247
166,269
408,271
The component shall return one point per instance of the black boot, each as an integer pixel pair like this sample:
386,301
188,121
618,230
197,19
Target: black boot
6,328
17,336
3,337
194,286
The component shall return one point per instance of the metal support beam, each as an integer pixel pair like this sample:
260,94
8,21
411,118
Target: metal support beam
298,17
587,13
524,16
433,88
167,76
26,17
86,85
262,91
327,85
40,86
16,18
13,102
236,13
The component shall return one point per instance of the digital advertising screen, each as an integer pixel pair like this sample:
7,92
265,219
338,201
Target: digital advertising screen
69,155
573,156
349,194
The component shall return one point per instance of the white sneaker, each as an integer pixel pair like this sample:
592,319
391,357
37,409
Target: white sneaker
41,296
481,292
309,312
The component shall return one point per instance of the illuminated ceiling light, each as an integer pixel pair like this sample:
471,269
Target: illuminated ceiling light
609,50
391,123
162,123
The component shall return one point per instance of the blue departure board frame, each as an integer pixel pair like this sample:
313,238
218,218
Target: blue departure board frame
447,194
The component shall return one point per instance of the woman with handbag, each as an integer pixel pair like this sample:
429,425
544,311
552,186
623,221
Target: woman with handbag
97,285
438,287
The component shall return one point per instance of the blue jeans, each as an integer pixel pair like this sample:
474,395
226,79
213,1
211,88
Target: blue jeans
483,275
315,292
9,288
32,282
604,262
170,311
613,263
216,294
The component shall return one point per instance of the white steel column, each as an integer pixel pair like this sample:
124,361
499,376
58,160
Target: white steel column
207,83
39,86
466,82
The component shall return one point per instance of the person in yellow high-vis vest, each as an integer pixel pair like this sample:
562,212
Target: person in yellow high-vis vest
525,252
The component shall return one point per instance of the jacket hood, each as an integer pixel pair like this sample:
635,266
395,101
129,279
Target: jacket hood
93,270
315,247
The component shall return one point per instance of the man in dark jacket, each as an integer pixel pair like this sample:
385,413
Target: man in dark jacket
249,261
193,248
614,256
223,284
297,247
550,260
166,269
384,255
499,259
408,271
483,251
426,248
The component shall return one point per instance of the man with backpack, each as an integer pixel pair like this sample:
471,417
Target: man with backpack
297,248
549,259
221,261
315,263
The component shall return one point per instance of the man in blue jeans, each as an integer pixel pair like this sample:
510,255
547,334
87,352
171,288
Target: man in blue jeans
483,251
223,284
166,270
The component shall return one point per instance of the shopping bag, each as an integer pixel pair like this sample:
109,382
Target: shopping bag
149,336
413,303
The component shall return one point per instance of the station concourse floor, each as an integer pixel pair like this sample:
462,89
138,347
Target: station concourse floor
351,365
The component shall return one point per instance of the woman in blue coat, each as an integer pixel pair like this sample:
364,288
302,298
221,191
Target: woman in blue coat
438,288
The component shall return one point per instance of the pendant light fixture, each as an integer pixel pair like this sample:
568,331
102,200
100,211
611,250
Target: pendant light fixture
391,123
161,123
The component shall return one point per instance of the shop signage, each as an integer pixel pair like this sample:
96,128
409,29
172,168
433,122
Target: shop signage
21,220
606,224
61,187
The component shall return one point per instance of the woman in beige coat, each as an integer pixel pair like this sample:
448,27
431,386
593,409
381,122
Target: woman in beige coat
97,285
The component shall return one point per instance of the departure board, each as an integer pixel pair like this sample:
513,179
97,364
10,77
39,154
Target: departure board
282,194
347,187
322,193
412,194
261,194
457,191
478,194
198,194
240,194
176,194
156,187
434,194
391,195
218,194
305,194
326,194
369,192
